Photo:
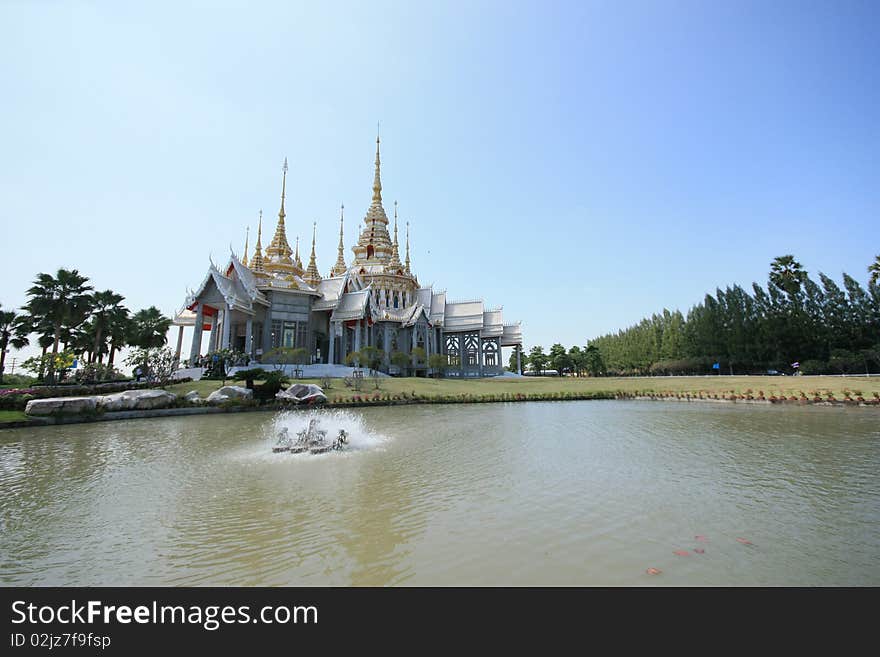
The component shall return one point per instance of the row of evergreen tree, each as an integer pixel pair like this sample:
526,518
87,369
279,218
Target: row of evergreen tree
818,325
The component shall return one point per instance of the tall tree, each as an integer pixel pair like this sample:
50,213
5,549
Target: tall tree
787,274
61,302
559,359
874,270
118,330
148,328
104,305
14,330
538,359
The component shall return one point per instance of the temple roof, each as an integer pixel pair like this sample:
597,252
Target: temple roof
330,290
351,305
492,323
463,316
438,307
512,335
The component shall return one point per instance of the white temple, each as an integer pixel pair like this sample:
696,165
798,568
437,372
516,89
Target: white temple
270,302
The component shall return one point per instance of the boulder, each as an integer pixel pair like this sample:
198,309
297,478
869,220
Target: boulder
70,405
193,397
137,400
227,393
303,393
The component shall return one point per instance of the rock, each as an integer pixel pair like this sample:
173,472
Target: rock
51,405
193,397
227,393
303,393
136,400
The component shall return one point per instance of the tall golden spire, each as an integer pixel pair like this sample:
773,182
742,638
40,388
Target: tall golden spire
279,249
296,259
339,268
377,181
394,263
374,243
257,260
313,276
407,247
247,232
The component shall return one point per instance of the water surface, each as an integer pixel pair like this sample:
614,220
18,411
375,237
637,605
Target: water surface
555,493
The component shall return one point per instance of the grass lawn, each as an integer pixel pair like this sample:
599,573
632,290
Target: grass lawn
770,385
12,416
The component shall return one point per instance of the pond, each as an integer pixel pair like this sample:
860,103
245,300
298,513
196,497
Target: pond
538,493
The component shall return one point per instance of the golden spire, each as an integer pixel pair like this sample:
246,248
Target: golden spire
313,276
395,253
279,249
339,268
247,232
377,182
257,260
407,247
374,242
296,259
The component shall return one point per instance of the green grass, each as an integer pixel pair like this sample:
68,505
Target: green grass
12,416
711,385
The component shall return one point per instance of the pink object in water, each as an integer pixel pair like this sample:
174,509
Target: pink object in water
681,553
653,571
699,550
744,541
702,539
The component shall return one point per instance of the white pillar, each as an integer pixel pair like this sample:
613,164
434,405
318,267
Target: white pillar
518,364
212,338
227,326
248,338
197,334
332,354
179,343
357,335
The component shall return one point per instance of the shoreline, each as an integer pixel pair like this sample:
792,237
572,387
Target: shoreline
606,396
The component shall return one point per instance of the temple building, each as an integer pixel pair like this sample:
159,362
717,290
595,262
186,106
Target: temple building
269,301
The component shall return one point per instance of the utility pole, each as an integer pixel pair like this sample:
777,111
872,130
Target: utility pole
12,370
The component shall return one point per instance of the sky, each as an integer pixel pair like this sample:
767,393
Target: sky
582,164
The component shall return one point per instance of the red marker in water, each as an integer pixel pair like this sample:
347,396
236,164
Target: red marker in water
702,539
653,571
682,553
744,541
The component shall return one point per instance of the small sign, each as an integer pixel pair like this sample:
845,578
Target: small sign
716,366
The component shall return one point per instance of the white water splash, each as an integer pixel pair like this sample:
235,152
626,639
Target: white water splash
359,436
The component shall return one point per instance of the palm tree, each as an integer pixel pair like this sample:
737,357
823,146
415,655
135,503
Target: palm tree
149,328
787,274
104,305
118,329
59,303
14,330
874,270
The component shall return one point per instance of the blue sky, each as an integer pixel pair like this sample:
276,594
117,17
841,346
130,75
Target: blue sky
582,164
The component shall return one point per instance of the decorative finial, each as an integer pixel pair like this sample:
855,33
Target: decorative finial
279,249
257,260
407,247
339,267
394,263
283,188
247,234
377,179
313,277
